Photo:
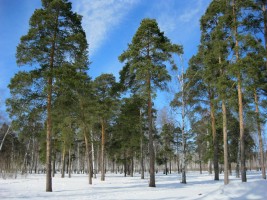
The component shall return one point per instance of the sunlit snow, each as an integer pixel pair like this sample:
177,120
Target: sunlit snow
117,186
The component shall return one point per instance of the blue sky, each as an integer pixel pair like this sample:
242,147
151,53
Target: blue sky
109,25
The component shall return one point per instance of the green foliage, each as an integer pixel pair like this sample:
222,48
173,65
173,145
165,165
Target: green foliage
145,59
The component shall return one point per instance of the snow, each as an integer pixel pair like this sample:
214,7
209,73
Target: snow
116,186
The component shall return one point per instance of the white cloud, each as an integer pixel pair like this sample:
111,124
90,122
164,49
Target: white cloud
100,17
193,12
174,15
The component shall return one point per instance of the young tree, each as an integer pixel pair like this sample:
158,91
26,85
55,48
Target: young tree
145,71
55,37
106,94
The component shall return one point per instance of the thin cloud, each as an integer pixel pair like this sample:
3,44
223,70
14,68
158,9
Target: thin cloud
100,17
193,12
173,14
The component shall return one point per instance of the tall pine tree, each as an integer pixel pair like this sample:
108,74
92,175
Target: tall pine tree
55,37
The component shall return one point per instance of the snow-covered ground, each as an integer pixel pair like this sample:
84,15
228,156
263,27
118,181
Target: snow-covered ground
118,187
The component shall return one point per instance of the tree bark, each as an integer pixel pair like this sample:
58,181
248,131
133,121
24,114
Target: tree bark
259,135
225,144
141,148
240,102
49,113
69,168
103,150
63,162
214,136
151,145
88,154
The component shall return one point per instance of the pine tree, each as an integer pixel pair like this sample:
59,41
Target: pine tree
145,71
55,37
106,94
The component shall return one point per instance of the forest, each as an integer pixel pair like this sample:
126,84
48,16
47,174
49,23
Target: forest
65,122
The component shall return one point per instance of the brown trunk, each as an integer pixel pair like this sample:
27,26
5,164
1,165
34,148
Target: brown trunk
214,136
259,135
141,148
240,103
225,144
49,114
48,137
88,155
63,162
103,150
150,131
69,165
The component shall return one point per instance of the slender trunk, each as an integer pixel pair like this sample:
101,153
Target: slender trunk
141,148
93,155
49,113
49,135
237,169
63,162
200,162
183,131
103,150
36,158
259,135
88,152
242,134
132,166
69,170
125,165
210,166
166,167
240,102
54,165
170,165
225,144
2,142
214,137
78,158
150,131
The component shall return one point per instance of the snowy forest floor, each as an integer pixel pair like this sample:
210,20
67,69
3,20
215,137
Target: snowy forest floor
117,186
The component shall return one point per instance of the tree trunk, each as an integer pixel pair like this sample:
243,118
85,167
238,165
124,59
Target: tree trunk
237,161
103,150
166,167
54,165
170,165
225,144
214,136
240,103
69,170
49,113
63,162
141,148
183,132
78,158
152,181
259,135
132,165
88,153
